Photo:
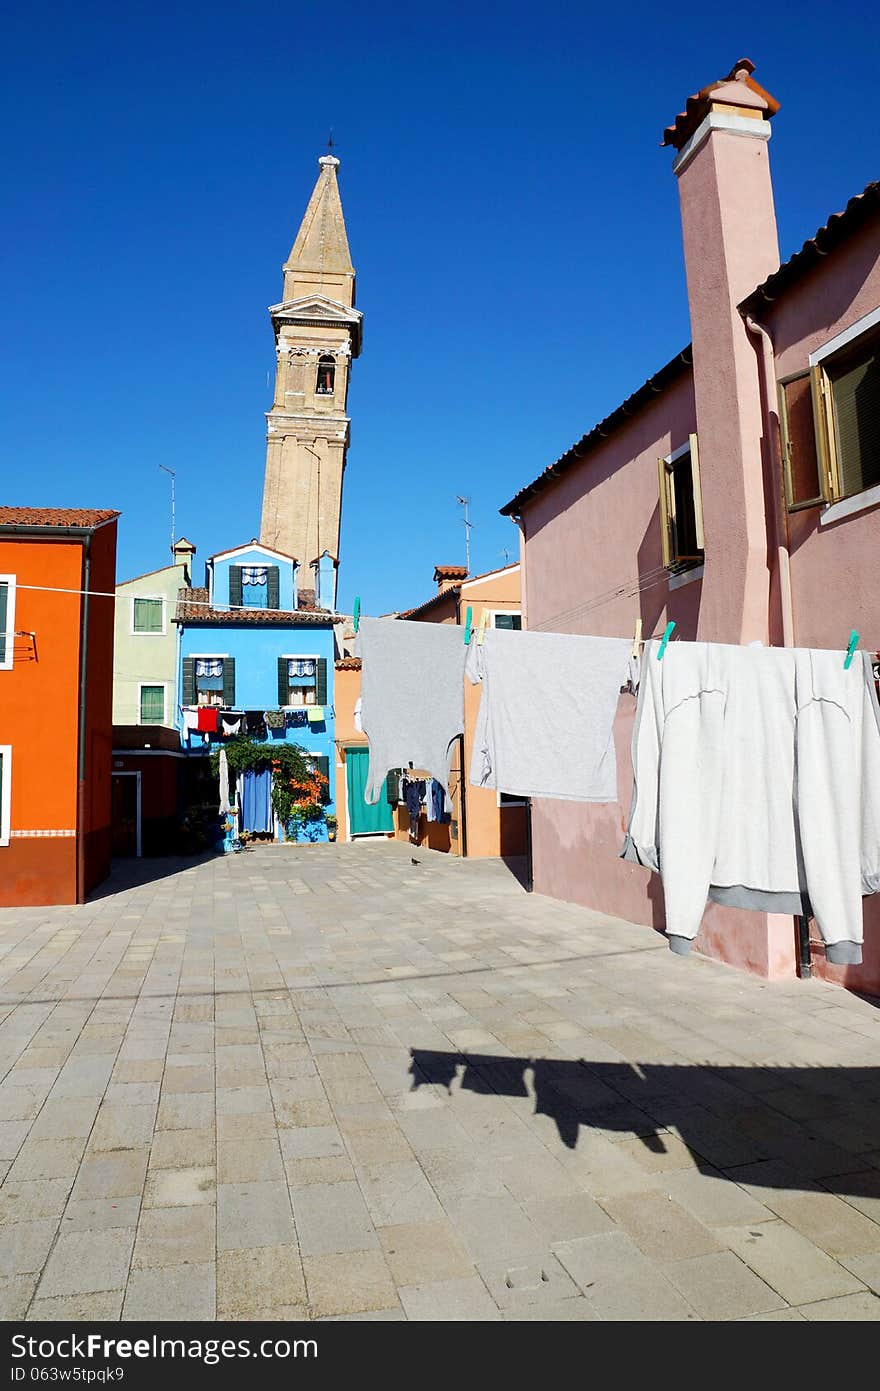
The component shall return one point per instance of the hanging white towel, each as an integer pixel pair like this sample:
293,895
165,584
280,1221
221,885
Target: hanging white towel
546,718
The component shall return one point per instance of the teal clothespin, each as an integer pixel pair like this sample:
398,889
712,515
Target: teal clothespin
467,625
357,612
663,641
851,647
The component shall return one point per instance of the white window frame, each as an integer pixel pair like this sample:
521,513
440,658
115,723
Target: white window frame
301,657
6,801
151,684
696,571
510,613
161,598
9,581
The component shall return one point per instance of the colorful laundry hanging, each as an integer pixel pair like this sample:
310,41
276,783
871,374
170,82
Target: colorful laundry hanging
207,719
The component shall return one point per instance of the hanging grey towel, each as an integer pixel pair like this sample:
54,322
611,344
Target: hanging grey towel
757,784
412,696
546,720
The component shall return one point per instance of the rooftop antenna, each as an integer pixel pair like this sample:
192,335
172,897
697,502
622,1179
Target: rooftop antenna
173,476
331,143
465,503
506,553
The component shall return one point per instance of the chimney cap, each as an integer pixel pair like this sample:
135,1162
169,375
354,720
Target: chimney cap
697,107
450,574
183,545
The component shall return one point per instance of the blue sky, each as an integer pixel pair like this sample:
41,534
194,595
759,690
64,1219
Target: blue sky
512,219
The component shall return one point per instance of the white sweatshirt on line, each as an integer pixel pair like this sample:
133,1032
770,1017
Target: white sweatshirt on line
757,784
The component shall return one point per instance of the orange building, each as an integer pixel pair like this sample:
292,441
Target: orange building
484,822
56,681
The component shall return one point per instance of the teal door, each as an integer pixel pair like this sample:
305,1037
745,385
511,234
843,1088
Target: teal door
364,820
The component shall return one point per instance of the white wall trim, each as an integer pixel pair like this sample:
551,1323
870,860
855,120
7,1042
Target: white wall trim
686,577
481,579
8,660
840,340
6,803
717,120
163,631
678,453
164,685
849,506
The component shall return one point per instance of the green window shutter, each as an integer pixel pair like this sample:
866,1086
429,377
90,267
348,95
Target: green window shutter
321,681
228,682
147,615
235,586
392,787
152,704
283,682
189,681
4,597
272,589
323,766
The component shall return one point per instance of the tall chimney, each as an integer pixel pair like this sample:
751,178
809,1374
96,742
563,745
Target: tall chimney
730,246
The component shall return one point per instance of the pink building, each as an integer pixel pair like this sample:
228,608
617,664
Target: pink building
735,492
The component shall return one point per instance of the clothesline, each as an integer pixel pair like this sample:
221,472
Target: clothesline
190,603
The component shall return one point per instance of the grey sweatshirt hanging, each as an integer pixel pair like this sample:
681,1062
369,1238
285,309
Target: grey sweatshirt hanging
757,784
412,696
545,726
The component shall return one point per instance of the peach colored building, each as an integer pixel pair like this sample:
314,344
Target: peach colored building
735,492
352,757
484,822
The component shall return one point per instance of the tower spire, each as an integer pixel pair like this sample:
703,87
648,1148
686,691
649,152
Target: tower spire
320,260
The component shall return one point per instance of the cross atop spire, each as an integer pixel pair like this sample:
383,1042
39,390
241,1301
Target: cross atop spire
320,259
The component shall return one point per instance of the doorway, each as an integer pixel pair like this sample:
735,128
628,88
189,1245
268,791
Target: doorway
125,804
364,820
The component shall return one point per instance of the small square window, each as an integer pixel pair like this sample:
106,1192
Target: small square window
148,615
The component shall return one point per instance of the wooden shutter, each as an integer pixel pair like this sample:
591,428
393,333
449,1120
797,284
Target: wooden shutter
272,588
665,519
855,409
189,681
283,681
322,763
698,492
229,682
820,418
800,455
321,681
235,586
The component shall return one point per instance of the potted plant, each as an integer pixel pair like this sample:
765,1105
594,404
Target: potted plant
332,823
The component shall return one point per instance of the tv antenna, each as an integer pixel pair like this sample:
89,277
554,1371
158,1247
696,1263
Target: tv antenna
173,476
465,503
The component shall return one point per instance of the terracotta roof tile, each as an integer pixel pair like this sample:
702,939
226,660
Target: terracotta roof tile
348,664
678,367
697,106
450,572
191,607
839,226
84,517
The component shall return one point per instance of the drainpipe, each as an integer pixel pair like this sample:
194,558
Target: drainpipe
462,781
83,684
779,542
783,560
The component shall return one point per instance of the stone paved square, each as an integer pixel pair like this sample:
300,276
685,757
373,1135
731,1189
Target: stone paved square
323,1082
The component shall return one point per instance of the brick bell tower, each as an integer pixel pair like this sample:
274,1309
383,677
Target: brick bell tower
317,334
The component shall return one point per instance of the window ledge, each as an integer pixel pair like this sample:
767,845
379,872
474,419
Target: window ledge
686,577
848,506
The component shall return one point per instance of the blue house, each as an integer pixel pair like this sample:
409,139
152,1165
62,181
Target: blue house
253,660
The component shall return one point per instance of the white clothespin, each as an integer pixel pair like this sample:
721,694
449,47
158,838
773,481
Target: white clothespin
637,637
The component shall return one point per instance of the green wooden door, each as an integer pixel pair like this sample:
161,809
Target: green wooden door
364,820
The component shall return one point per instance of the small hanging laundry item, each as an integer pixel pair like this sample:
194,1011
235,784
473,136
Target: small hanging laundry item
315,714
255,724
412,699
190,721
230,726
295,719
207,719
545,727
757,785
275,719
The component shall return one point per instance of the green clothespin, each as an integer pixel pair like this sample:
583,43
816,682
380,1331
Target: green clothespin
467,625
663,641
357,612
851,647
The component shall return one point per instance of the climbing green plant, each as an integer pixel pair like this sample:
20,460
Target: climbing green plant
293,781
